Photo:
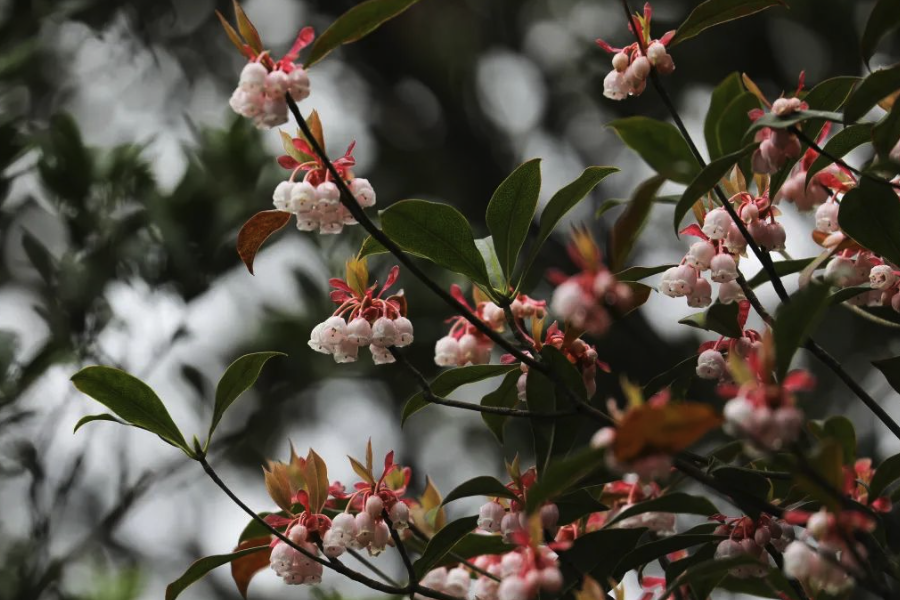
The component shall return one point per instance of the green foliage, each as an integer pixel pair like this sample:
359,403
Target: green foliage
505,396
482,485
562,475
715,12
841,144
870,92
630,224
355,24
451,379
884,18
720,318
729,89
203,566
510,212
638,273
795,321
660,145
676,502
870,214
443,542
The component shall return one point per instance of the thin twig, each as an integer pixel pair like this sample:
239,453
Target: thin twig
401,548
812,144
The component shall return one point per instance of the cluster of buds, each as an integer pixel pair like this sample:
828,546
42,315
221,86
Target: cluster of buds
453,582
632,64
718,252
363,318
577,351
777,146
621,495
293,566
759,409
464,344
822,186
823,561
316,200
507,516
747,537
589,299
711,360
260,95
854,266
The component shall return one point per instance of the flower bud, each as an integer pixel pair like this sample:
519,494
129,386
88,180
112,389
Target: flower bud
684,277
446,352
399,515
303,197
700,255
775,237
493,315
840,271
333,544
363,192
640,67
298,84
728,549
298,534
827,217
567,300
549,516
490,515
380,539
253,77
701,295
509,525
620,61
333,330
749,213
281,197
730,291
384,332
513,588
276,84
345,523
404,329
882,277
458,582
551,580
723,268
798,560
817,525
614,86
716,223
655,53
711,365
762,536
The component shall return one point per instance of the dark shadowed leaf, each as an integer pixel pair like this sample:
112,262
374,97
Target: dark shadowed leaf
890,368
775,122
660,145
437,232
782,268
715,12
887,473
870,214
885,16
708,178
563,474
511,210
355,24
638,273
720,318
795,321
871,91
451,379
483,485
686,367
676,502
39,257
204,566
442,543
733,124
90,418
238,378
886,132
505,396
592,553
840,145
840,428
472,545
725,92
630,223
647,553
256,231
131,399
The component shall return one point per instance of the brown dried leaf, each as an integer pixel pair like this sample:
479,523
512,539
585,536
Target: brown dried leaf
244,568
256,231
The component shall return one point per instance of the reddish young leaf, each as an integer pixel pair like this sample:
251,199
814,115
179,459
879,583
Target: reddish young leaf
668,428
288,162
232,34
278,484
256,231
244,568
247,29
315,125
316,481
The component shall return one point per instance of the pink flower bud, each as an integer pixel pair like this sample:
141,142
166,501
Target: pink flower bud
346,352
799,560
358,331
700,255
701,295
723,268
640,68
614,86
333,330
333,544
380,539
655,52
493,315
737,412
522,386
735,242
490,515
458,582
549,516
840,271
384,332
827,217
365,529
775,237
711,365
253,77
882,277
728,549
513,588
551,580
298,84
404,329
603,438
509,525
817,525
345,523
762,536
730,291
276,84
374,506
399,515
568,300
665,65
435,579
446,352
620,61
303,197
281,197
363,192
683,279
716,223
749,213
327,195
308,220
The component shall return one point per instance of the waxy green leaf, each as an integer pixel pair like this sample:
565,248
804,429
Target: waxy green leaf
238,378
795,321
511,210
203,566
451,379
660,145
715,12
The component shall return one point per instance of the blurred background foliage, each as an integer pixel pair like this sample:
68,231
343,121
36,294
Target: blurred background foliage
124,179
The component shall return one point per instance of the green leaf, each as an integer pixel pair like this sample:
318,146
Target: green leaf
607,206
472,545
647,553
706,180
840,428
577,504
886,132
203,566
39,257
591,553
238,378
782,268
725,92
371,246
827,463
841,144
442,543
451,379
871,91
505,396
90,418
890,368
489,256
750,482
844,294
638,273
660,145
775,122
482,485
887,473
437,232
561,475
870,214
720,318
131,399
734,122
709,573
355,24
715,12
795,321
631,222
676,502
685,368
511,210
884,18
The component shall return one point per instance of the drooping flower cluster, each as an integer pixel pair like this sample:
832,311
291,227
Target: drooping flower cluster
316,200
464,344
711,361
632,64
363,318
777,146
747,537
588,300
822,185
260,95
760,410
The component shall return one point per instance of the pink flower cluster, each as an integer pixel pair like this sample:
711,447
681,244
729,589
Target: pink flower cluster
711,363
777,146
260,94
464,344
622,495
363,319
747,537
633,63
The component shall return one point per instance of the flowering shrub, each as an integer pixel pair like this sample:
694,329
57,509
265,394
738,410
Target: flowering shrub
610,487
